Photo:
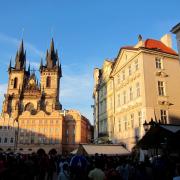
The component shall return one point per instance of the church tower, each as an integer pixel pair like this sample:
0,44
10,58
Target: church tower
17,77
50,74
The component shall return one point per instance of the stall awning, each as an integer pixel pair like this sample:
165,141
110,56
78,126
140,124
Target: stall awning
109,149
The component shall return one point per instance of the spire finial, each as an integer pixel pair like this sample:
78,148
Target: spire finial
41,64
52,45
21,49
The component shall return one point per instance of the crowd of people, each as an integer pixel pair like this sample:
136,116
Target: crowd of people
42,166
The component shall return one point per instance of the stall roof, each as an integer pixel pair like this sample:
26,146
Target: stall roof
172,128
160,134
108,149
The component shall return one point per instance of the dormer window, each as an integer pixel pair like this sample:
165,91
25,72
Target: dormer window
48,82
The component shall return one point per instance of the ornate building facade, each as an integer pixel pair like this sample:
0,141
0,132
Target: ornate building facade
142,82
32,116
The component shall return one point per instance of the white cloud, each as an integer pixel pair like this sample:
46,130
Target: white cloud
15,42
76,93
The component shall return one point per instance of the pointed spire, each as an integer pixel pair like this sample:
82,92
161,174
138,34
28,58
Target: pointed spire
9,69
58,62
41,64
29,68
56,53
21,49
17,54
20,58
52,45
25,60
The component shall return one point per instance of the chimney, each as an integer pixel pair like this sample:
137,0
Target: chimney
167,40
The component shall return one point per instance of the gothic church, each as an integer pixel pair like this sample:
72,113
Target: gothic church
32,116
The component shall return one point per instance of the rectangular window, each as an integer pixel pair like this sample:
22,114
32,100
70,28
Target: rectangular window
132,120
130,70
158,63
130,94
140,118
125,123
124,97
163,116
118,79
119,100
161,88
119,125
137,89
136,65
123,75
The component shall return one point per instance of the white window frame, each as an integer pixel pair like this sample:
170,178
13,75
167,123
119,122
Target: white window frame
119,100
119,125
118,79
136,65
130,94
138,92
130,70
161,88
123,75
139,118
132,120
164,116
124,97
125,123
158,62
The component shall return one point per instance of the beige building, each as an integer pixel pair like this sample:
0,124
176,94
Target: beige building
143,82
32,116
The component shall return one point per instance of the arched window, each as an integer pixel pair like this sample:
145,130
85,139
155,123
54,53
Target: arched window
15,82
29,107
12,140
48,82
5,140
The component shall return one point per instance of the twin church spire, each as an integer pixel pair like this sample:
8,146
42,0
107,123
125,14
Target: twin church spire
52,59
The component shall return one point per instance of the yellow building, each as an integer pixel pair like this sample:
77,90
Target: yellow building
32,115
143,82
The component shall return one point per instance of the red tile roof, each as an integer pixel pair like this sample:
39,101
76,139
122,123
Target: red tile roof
158,45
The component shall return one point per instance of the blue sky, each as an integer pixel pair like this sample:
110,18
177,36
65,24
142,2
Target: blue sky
85,33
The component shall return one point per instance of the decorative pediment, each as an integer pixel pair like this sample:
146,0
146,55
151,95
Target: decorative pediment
167,103
123,58
161,74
